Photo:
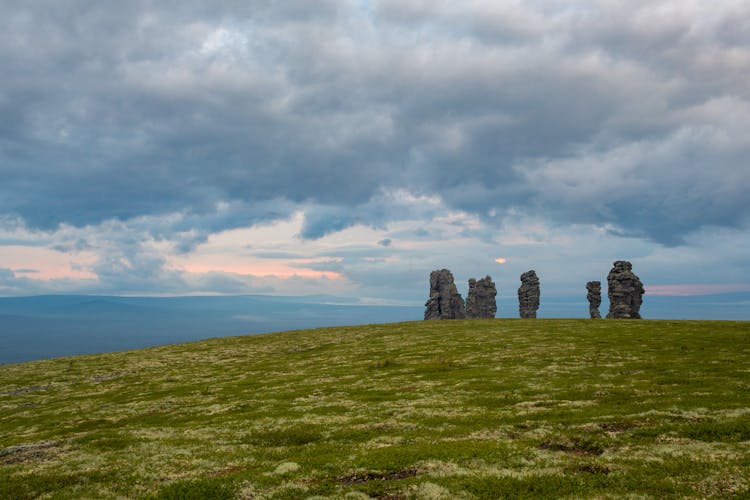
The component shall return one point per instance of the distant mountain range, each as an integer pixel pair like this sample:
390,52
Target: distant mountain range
63,325
51,326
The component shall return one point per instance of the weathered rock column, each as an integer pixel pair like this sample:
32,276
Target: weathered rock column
480,302
594,296
445,302
528,295
625,291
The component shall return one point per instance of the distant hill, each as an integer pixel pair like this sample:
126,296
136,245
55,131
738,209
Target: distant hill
62,325
478,409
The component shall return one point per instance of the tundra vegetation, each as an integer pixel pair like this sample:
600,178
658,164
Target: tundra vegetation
439,409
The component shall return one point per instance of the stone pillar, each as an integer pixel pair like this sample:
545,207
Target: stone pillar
445,302
480,302
594,297
625,291
528,295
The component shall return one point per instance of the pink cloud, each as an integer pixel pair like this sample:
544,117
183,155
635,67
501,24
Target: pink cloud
45,264
692,290
276,269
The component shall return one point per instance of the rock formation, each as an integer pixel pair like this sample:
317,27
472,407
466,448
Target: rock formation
594,295
480,302
445,302
528,295
625,291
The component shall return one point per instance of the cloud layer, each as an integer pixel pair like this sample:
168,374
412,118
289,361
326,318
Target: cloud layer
136,132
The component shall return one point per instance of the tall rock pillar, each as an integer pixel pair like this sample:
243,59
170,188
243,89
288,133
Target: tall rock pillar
594,296
445,302
625,291
528,295
480,302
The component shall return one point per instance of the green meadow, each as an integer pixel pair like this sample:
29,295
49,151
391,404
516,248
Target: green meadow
442,409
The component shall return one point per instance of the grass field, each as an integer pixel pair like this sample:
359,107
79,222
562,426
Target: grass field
464,409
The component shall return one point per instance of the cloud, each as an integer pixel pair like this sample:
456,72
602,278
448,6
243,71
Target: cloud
273,258
688,290
133,133
157,110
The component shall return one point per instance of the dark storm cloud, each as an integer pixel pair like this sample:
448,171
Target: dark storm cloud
632,115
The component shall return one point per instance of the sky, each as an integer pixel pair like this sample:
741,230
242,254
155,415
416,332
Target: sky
350,147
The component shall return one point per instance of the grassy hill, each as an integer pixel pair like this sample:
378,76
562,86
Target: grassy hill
465,409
